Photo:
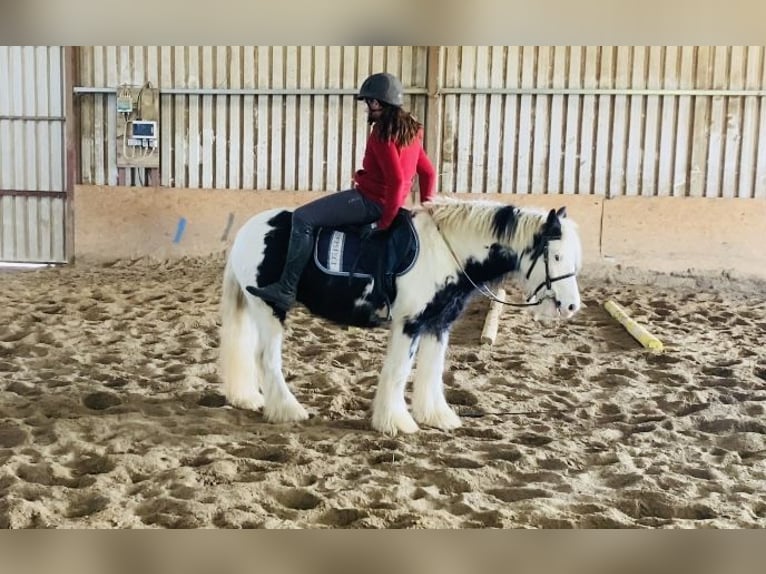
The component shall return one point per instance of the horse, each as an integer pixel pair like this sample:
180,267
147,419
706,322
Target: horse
463,247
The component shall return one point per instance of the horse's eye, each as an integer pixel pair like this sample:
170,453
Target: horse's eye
557,257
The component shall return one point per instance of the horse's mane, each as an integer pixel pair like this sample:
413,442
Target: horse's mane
515,225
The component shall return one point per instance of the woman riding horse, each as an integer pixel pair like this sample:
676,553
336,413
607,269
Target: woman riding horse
394,154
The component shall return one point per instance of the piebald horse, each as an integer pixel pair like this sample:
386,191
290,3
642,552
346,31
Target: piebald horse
464,248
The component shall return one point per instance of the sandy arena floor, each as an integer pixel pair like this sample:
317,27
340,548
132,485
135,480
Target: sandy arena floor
111,416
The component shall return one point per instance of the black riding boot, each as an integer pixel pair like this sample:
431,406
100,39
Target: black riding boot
282,293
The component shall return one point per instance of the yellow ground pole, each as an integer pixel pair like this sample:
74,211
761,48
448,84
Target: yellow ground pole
637,331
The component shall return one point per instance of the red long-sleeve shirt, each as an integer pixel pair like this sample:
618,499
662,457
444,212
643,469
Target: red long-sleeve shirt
388,171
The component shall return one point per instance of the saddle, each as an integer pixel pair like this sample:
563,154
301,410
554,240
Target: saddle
341,252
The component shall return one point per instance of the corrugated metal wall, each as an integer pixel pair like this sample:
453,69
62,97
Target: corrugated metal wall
598,120
288,119
32,170
605,120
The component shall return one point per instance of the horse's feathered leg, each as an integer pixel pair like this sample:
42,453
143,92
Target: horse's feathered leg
429,405
280,403
237,344
389,409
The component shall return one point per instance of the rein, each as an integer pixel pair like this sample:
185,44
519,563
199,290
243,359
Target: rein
487,292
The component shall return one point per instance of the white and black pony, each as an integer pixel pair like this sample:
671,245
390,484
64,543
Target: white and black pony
457,249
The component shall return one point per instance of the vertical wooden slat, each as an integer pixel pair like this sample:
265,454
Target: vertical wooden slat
263,62
40,243
349,123
635,155
732,150
292,146
760,166
7,164
99,80
167,140
449,137
221,118
526,122
277,119
557,123
465,120
588,126
603,142
319,133
652,123
333,119
541,128
717,124
479,140
86,107
701,125
306,120
668,133
681,183
32,164
193,137
573,115
511,122
181,129
110,117
16,219
234,156
153,79
209,158
617,168
61,211
248,119
494,120
745,185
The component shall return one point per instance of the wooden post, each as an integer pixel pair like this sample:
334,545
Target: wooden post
72,143
492,321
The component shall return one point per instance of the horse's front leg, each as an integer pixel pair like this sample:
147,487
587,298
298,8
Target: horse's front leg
429,405
389,409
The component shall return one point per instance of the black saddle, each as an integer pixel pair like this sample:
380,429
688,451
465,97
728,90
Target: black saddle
342,252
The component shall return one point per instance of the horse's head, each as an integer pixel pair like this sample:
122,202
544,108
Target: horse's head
550,266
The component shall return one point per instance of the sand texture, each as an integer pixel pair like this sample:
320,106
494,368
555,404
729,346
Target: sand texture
111,414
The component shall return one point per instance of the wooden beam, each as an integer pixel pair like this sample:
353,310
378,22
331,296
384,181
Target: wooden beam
72,139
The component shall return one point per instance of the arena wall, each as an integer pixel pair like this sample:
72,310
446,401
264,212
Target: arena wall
648,233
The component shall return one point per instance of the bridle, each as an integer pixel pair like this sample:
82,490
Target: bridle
542,250
549,281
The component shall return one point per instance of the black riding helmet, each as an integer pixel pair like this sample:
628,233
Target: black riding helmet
383,87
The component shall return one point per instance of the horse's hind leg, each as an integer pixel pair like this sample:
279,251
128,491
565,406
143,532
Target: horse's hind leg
429,406
389,410
238,340
280,405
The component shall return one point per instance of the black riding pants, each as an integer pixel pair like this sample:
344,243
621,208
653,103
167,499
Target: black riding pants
340,208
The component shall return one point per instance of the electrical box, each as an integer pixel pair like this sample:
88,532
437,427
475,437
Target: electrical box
138,127
124,104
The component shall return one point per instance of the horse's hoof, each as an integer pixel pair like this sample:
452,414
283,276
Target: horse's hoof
444,418
286,413
252,402
394,423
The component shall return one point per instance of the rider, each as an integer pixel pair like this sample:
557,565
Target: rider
394,154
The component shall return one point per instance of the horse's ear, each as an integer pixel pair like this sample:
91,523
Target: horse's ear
562,212
552,224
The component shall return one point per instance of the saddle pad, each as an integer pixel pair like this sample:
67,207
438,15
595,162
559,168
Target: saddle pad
342,252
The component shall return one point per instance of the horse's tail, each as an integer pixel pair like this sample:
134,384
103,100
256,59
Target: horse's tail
237,359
